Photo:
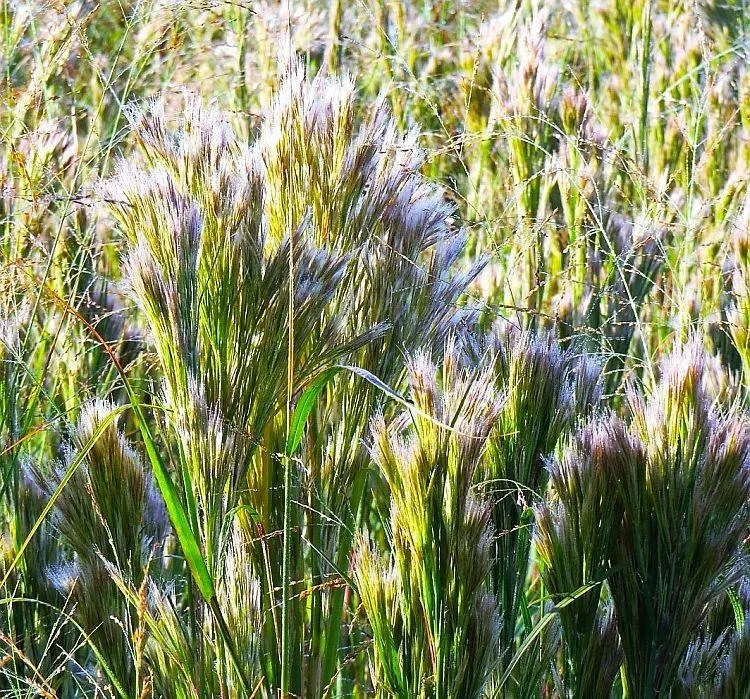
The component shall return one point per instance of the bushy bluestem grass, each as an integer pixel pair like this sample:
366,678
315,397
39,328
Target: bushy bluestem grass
658,509
733,670
574,535
525,376
625,244
544,388
716,662
361,191
185,657
108,514
213,284
209,227
683,487
435,629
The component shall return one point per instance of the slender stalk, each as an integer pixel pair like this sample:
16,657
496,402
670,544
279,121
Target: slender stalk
645,82
333,50
287,553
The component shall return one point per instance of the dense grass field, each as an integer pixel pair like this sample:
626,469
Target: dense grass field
389,348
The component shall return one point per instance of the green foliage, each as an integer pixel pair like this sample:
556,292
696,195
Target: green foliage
543,389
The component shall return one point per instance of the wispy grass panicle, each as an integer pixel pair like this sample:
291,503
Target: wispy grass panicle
359,188
435,628
211,285
525,120
634,259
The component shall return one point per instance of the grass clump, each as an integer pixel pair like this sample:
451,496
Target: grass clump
684,499
574,537
434,626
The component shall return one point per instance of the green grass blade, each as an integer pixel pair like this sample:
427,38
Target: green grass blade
305,404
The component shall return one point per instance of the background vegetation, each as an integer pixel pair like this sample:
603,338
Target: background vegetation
383,348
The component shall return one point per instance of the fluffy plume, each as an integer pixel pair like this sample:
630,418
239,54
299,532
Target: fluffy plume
111,516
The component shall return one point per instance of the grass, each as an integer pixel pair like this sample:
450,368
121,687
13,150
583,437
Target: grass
389,349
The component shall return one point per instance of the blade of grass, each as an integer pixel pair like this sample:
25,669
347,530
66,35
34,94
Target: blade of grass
305,404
